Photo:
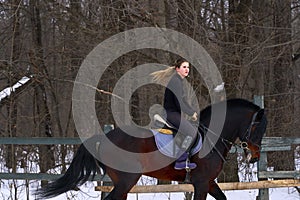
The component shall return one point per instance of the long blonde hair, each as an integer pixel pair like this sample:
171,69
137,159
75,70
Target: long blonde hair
163,76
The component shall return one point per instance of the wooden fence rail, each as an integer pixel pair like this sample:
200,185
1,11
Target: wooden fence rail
39,140
45,176
268,143
223,186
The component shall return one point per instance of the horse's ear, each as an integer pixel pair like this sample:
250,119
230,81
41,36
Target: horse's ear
260,114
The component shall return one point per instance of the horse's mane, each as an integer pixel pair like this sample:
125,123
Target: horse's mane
236,102
242,102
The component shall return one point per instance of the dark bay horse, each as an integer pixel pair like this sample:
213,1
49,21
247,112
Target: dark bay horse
243,120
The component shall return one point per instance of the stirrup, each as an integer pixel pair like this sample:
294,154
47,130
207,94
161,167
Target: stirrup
183,165
187,165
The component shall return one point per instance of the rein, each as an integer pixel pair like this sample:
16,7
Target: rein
224,141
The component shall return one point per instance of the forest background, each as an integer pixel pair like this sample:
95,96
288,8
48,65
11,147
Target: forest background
254,43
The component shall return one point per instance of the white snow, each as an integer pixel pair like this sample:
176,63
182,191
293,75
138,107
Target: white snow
219,88
7,91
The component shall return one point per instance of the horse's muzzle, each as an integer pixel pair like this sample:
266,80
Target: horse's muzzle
253,160
250,157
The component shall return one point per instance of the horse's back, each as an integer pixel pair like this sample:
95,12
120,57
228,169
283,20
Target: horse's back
133,139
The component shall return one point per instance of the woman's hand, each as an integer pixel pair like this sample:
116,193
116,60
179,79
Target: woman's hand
194,117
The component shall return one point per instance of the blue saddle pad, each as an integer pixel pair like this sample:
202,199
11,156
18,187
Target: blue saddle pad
166,145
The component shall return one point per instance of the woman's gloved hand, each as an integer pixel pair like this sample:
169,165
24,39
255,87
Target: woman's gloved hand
194,117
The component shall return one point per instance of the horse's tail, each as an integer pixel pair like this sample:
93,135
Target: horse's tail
79,171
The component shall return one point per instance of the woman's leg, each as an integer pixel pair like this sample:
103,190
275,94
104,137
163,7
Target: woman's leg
186,135
186,131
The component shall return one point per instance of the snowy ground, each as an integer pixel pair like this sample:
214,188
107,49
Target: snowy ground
88,193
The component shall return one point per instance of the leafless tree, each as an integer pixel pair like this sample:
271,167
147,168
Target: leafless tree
255,45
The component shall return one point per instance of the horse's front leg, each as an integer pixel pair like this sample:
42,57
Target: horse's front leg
111,197
201,190
205,187
216,192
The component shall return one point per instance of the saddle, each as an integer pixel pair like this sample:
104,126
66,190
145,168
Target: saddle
166,128
164,134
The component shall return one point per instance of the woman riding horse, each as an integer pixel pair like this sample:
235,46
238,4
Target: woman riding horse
243,120
175,103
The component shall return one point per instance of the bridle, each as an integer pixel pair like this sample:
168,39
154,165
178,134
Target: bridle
244,140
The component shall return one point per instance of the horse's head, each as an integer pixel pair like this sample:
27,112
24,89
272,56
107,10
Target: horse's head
251,139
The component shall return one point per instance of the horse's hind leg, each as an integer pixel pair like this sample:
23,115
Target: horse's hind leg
123,182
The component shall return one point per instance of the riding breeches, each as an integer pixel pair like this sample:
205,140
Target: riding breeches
185,128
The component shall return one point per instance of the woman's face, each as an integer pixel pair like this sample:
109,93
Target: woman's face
184,69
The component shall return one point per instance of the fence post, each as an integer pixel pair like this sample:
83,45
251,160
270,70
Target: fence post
263,194
106,129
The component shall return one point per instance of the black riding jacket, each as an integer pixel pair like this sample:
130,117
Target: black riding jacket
175,97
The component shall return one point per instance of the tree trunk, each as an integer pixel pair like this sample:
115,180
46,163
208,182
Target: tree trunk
12,70
261,40
236,70
281,94
42,114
